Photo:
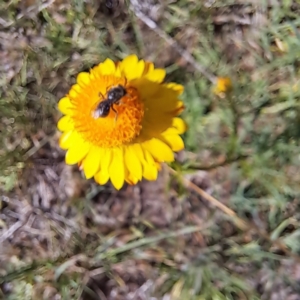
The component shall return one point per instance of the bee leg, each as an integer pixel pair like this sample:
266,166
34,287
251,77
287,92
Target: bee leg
116,114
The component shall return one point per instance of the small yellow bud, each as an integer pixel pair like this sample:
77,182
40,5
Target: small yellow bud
223,86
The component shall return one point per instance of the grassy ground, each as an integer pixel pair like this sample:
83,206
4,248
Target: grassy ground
62,237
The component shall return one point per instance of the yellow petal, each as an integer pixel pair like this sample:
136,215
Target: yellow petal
161,100
133,163
91,163
160,104
83,79
132,68
76,153
133,71
67,139
130,178
157,75
116,168
128,62
178,127
149,169
138,151
73,94
147,89
158,166
103,176
108,67
118,72
179,108
65,124
77,88
149,67
159,150
149,166
174,141
176,87
65,106
138,72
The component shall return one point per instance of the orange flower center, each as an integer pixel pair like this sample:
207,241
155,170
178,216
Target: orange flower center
120,121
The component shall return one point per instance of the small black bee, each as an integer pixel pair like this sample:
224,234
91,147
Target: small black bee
113,96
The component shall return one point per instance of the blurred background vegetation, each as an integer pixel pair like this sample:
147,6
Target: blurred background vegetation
62,237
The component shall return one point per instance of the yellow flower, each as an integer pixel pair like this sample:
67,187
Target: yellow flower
128,139
223,86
